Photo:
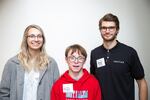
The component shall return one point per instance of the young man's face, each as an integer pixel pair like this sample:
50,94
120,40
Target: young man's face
75,61
108,30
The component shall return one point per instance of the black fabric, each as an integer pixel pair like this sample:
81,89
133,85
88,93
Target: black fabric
122,66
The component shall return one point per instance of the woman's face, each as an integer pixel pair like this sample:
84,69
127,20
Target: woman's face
34,39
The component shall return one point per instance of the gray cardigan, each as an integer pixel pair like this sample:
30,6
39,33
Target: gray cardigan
12,83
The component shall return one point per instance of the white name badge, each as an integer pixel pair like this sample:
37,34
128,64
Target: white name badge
100,62
67,88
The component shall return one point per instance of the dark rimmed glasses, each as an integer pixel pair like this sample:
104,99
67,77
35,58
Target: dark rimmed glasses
80,59
110,28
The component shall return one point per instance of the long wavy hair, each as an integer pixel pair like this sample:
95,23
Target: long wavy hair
24,56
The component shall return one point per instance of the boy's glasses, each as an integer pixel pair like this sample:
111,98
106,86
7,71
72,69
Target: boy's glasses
80,59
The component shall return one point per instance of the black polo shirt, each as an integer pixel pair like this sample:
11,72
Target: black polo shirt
116,70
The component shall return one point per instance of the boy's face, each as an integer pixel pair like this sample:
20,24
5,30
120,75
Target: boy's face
75,61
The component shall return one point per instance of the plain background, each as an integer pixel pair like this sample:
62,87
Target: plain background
67,22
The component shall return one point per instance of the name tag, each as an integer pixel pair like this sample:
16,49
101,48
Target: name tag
67,88
100,62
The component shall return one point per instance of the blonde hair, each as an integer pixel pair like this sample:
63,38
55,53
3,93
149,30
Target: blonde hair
24,56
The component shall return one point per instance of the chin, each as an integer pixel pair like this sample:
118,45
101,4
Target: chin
35,49
76,70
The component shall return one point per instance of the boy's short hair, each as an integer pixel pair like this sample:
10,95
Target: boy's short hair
74,48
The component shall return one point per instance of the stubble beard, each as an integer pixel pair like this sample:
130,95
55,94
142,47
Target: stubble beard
109,39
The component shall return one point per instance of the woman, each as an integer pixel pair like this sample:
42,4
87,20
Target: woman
31,73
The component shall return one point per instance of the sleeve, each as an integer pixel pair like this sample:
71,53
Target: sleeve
98,95
54,95
55,71
5,82
136,66
92,67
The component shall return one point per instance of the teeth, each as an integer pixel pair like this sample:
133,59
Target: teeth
75,66
36,44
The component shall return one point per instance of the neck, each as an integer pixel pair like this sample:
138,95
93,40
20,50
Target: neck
76,76
110,44
34,53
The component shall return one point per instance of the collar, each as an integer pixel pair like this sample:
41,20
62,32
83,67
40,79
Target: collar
112,49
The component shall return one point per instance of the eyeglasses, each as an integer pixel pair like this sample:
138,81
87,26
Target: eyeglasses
110,28
32,36
80,59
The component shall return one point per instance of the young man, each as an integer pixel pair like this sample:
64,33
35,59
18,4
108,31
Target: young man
116,65
76,83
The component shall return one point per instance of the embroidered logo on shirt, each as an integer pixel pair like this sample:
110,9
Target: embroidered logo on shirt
117,61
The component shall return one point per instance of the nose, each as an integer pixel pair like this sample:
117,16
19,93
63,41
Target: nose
107,30
76,61
36,38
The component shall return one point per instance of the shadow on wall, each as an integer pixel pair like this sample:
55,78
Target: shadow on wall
2,2
148,1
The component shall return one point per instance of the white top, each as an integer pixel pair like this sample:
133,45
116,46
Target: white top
31,81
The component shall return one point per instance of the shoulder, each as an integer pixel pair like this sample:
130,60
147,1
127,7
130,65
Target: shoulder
53,66
13,60
63,78
96,50
11,64
91,77
52,61
58,83
126,47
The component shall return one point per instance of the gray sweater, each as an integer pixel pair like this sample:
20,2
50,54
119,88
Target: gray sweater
12,83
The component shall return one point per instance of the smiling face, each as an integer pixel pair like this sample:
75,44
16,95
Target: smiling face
34,39
75,61
108,31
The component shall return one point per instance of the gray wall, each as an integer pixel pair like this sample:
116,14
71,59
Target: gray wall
74,21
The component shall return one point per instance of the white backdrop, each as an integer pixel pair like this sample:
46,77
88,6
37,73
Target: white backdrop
66,22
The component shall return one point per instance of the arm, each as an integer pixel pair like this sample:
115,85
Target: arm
55,71
98,95
92,67
5,83
143,89
54,95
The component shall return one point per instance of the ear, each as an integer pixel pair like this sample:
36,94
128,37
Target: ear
117,32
